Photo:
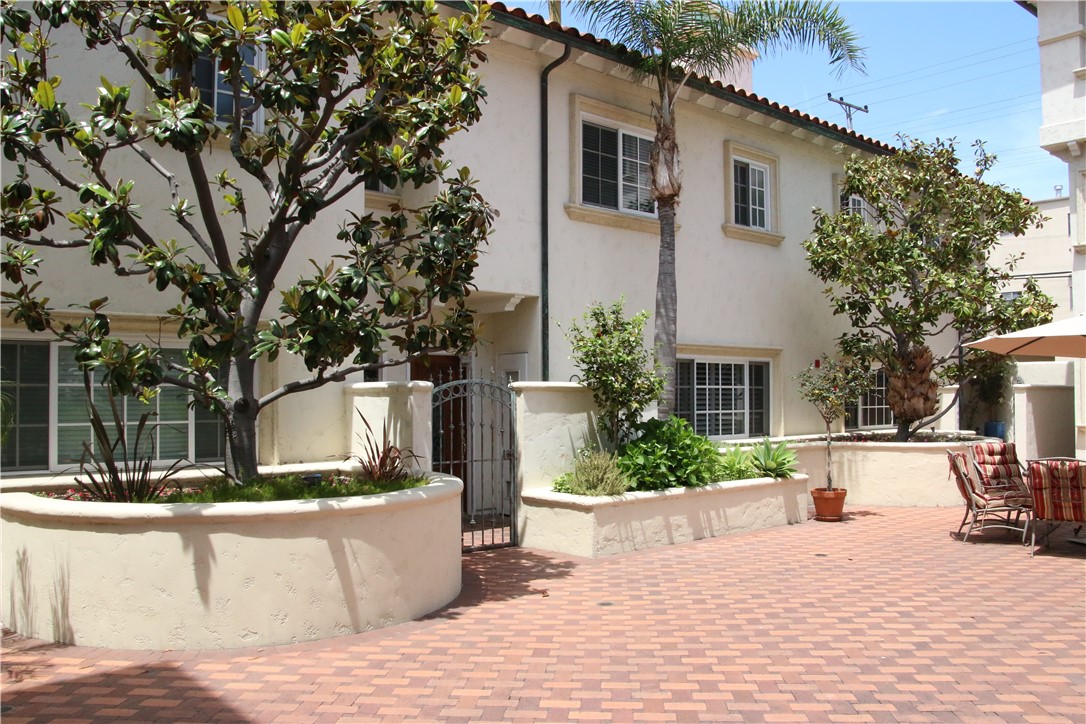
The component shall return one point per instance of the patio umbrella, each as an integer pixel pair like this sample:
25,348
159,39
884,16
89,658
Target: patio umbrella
1065,338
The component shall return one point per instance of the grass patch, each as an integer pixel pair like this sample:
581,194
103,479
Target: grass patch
268,489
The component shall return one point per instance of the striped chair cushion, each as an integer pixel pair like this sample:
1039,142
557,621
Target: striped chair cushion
1058,490
998,465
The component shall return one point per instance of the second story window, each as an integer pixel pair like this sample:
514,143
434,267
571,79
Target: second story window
615,171
216,89
751,194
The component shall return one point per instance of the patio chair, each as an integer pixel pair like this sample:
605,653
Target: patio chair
1059,495
989,507
998,467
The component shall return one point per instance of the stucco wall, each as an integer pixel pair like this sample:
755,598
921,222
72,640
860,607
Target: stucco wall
594,527
1044,417
554,421
226,575
405,407
913,474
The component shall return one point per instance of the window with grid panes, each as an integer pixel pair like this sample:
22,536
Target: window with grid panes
871,410
30,369
216,90
615,169
24,382
723,399
751,194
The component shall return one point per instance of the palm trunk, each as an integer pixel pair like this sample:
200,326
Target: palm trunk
913,393
666,186
666,306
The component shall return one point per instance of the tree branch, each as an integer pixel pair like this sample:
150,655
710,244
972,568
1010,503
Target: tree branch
171,179
207,210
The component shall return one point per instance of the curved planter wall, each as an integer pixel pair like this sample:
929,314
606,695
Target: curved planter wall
225,575
603,526
909,474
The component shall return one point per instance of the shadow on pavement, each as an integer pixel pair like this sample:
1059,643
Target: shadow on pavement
504,574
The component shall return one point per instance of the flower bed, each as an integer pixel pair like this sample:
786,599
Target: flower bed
224,575
594,527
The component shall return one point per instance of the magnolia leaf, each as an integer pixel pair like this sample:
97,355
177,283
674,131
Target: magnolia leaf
44,95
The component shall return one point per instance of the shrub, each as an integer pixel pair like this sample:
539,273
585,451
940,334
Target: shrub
773,461
288,487
736,463
609,350
594,473
669,454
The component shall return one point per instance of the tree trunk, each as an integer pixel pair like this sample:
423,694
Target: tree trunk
829,459
666,306
913,393
241,413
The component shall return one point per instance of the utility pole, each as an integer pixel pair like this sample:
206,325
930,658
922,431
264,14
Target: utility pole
849,108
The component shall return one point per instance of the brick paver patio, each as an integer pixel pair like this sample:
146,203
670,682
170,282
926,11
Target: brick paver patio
883,618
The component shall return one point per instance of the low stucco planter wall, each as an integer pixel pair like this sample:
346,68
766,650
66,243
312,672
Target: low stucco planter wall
908,474
594,527
225,575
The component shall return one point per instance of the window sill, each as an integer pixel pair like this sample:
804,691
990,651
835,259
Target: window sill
381,200
746,233
615,219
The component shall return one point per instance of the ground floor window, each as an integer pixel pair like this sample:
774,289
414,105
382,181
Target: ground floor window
872,409
43,389
723,398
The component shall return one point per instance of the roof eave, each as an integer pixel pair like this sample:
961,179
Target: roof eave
520,20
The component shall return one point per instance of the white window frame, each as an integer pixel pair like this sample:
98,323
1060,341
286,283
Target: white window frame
624,121
260,63
622,133
753,209
865,407
746,362
767,164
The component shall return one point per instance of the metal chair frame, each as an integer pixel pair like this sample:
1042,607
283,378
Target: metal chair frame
988,507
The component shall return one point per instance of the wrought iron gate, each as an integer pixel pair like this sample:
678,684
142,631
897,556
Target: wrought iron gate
474,439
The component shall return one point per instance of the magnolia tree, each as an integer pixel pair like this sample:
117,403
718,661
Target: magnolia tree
913,272
304,103
830,385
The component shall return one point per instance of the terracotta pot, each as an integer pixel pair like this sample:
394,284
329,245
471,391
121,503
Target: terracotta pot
829,504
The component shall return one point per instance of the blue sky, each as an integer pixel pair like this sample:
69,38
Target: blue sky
965,70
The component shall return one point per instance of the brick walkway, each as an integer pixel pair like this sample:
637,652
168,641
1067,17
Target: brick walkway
883,618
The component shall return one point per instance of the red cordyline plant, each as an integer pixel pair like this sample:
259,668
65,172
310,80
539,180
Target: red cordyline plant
381,461
830,385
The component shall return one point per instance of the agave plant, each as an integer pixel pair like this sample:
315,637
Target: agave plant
773,461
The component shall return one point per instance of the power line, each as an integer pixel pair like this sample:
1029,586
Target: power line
947,68
942,64
1008,102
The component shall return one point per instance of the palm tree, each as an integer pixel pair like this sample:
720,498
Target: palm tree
678,39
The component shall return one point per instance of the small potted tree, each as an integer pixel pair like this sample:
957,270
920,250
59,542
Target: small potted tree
829,385
990,385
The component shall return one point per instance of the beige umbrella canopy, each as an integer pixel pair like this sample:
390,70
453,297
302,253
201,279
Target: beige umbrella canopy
1065,338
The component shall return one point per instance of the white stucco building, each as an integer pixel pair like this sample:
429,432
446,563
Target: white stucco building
1061,37
562,115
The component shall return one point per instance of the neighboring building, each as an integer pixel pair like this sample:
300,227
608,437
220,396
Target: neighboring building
751,316
1061,37
1046,255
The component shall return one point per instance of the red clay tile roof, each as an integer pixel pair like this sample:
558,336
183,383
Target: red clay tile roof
500,12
